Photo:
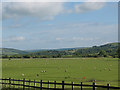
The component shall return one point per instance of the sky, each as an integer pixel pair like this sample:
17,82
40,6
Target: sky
50,25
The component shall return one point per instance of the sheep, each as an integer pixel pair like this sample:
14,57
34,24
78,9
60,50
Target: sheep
95,68
43,71
23,74
109,69
105,68
65,70
37,75
110,65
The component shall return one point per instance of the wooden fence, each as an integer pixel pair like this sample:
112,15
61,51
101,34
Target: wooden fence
14,83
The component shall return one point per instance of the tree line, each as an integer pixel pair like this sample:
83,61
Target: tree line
102,53
108,50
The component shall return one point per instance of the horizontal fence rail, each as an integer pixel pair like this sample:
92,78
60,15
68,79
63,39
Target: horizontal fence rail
23,83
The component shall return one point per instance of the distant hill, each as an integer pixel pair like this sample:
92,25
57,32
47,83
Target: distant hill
61,49
95,51
110,49
10,51
36,50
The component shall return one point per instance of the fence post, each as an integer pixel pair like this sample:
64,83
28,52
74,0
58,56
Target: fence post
5,83
9,82
29,84
13,83
48,85
63,85
72,86
24,84
41,85
55,85
34,85
108,86
94,86
19,83
81,86
2,82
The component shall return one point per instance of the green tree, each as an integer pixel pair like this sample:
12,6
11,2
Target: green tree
102,53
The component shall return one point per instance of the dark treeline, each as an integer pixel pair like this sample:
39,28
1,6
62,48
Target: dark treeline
108,50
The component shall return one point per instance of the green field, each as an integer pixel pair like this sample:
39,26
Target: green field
103,70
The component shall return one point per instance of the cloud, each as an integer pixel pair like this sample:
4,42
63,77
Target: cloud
60,0
59,39
82,39
69,35
82,34
43,10
75,39
14,39
14,26
35,1
89,6
0,11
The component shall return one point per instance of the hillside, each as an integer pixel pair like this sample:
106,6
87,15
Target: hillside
10,51
61,49
102,50
95,51
110,49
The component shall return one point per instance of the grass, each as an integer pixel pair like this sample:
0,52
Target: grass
103,70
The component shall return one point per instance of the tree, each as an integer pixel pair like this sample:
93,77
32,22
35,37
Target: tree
26,56
4,56
102,53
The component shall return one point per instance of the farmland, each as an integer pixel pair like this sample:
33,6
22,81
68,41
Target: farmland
103,70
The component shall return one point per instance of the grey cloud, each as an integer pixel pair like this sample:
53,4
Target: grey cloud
43,10
14,39
89,6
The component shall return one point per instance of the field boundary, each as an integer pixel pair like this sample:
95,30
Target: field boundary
13,83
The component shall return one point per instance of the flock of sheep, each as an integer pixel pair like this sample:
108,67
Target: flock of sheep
41,72
66,71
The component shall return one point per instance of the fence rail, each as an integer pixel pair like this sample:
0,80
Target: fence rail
13,83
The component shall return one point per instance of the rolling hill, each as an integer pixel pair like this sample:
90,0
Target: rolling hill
11,51
61,49
107,49
110,48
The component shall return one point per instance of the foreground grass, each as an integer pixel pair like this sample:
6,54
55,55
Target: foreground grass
103,70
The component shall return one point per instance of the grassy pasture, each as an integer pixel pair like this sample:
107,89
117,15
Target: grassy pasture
103,70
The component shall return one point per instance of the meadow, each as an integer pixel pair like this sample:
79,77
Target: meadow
86,70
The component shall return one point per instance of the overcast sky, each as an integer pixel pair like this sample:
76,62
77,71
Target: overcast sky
58,25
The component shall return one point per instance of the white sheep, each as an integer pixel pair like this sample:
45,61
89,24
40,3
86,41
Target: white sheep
105,68
23,74
43,71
